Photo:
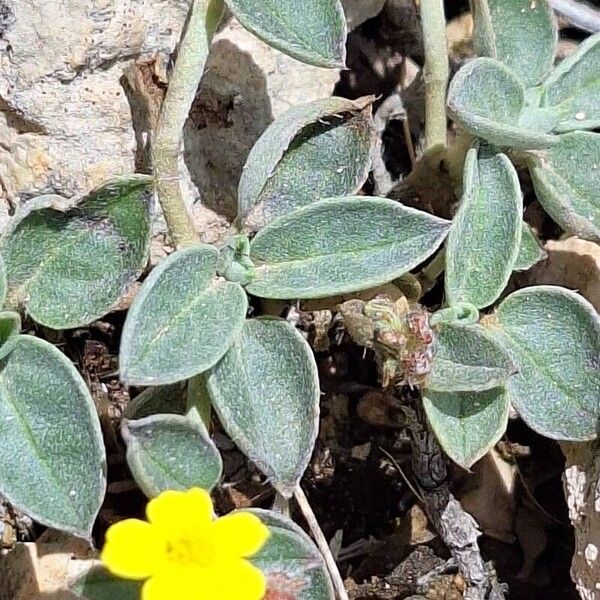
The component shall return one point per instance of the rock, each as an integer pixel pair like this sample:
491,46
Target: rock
582,488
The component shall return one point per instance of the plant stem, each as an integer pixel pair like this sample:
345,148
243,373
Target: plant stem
193,52
321,542
435,72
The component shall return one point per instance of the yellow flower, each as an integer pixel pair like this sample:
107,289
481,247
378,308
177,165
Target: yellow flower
184,553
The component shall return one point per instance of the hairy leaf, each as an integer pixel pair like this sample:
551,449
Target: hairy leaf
313,31
553,336
160,399
573,88
69,268
467,359
294,568
266,393
341,245
467,424
171,452
50,429
10,327
3,282
530,250
519,33
182,321
484,241
566,178
316,150
488,100
99,584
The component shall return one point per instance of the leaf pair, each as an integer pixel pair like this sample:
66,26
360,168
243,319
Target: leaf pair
293,567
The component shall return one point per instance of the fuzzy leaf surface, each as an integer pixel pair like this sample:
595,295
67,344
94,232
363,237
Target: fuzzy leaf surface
488,100
573,89
467,359
313,31
50,428
10,327
341,245
100,584
553,336
294,568
519,33
530,250
316,150
467,424
160,399
171,452
182,321
69,268
266,393
484,241
565,178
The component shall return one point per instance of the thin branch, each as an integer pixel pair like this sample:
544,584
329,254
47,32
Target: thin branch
321,542
436,71
581,15
191,60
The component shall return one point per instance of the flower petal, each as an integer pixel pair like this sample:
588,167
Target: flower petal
132,549
241,581
239,535
171,585
175,512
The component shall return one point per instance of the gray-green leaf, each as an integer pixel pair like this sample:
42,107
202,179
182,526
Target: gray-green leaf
573,88
341,245
553,336
467,359
483,243
3,282
182,321
467,424
488,100
530,250
313,31
519,33
171,452
566,178
50,429
160,399
293,566
10,327
69,268
99,584
266,393
316,150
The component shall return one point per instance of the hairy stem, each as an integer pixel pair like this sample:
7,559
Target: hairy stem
435,72
321,542
193,51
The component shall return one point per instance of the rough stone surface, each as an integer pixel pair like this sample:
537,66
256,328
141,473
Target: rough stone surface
582,488
80,88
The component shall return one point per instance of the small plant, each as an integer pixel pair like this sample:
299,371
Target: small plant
304,233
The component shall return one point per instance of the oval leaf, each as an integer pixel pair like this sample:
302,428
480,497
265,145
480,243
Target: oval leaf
488,100
484,241
266,393
99,584
573,88
530,250
519,33
3,282
467,424
160,399
10,327
294,568
69,268
313,151
553,336
467,359
313,32
182,321
341,245
49,425
171,452
565,178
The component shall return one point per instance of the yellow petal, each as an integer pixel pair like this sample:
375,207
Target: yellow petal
132,549
175,512
174,585
240,534
239,580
